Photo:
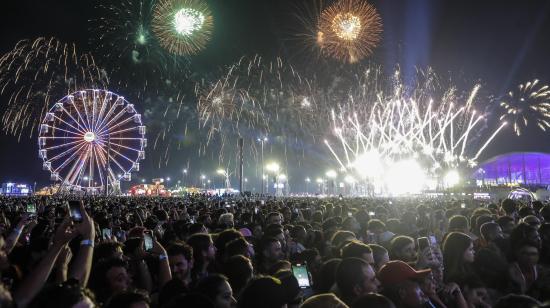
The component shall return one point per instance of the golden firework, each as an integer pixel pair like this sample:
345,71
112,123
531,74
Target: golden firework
349,30
183,27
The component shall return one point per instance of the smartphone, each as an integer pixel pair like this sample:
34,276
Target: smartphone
463,205
433,240
262,202
74,211
371,213
148,240
31,208
302,275
350,214
423,242
106,233
256,210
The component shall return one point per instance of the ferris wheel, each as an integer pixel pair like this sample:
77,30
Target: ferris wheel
90,140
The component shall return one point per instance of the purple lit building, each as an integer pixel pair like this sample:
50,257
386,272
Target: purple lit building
527,168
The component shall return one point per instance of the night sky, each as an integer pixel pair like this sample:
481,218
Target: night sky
496,43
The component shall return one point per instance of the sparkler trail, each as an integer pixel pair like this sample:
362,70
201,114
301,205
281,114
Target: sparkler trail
34,72
424,125
258,98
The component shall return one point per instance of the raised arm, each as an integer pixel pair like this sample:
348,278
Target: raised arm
33,283
80,270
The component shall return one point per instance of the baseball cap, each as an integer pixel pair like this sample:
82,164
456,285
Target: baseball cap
395,272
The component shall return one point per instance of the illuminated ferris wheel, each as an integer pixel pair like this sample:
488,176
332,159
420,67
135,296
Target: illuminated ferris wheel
91,140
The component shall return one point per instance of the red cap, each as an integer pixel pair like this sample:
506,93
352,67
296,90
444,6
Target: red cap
395,272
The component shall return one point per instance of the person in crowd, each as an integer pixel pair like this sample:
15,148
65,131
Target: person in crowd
381,234
490,259
270,252
204,254
400,283
129,300
458,256
49,259
373,300
239,272
356,249
325,300
263,291
354,278
180,257
380,256
216,288
509,208
402,248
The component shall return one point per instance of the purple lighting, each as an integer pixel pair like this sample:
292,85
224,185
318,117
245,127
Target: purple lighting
528,168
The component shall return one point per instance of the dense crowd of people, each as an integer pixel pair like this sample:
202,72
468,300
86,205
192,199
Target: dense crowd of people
211,251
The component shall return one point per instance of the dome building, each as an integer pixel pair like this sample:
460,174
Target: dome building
519,168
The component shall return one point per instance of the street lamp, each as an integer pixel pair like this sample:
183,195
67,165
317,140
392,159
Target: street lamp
279,184
320,183
245,182
262,141
272,167
203,177
226,175
184,176
308,180
331,174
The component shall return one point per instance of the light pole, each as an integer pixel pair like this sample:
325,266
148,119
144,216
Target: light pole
280,179
203,177
308,180
184,176
244,184
331,174
320,183
273,168
262,141
226,175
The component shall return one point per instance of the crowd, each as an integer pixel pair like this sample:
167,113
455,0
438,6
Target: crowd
210,251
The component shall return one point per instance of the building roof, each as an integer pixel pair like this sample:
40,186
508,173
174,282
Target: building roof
515,168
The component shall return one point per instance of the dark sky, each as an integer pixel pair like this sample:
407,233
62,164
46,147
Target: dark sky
498,43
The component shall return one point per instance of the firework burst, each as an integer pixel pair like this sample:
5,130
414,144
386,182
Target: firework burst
183,27
531,102
128,47
35,72
349,30
426,127
256,98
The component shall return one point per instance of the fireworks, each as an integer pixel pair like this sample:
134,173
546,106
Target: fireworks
256,98
183,27
530,103
349,30
422,129
35,71
125,43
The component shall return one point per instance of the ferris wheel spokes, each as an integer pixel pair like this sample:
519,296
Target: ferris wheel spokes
133,117
88,140
103,126
81,128
82,122
75,148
